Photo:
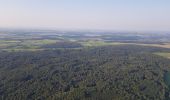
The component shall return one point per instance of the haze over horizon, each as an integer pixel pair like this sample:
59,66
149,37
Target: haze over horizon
132,15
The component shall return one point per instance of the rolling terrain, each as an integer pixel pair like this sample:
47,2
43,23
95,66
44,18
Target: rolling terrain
57,65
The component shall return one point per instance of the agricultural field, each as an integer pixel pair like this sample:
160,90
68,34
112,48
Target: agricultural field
163,54
36,40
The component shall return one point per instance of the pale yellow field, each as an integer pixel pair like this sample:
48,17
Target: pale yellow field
163,54
102,43
165,45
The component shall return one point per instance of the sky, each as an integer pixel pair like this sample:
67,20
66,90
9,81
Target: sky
134,15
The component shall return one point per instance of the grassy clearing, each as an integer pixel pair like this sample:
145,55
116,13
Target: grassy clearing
27,45
163,54
94,43
7,43
98,43
20,50
165,45
38,42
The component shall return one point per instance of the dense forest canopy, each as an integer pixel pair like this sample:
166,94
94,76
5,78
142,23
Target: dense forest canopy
84,49
55,65
101,73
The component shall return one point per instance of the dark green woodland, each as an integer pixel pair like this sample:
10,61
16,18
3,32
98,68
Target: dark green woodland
81,66
102,73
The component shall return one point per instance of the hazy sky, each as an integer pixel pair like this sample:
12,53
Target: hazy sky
86,14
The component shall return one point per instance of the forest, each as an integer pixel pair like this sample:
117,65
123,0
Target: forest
122,72
84,49
74,65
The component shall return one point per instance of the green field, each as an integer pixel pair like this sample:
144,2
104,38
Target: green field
24,45
163,54
36,42
92,43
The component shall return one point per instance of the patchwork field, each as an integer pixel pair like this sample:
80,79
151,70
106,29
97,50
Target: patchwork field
45,40
33,45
